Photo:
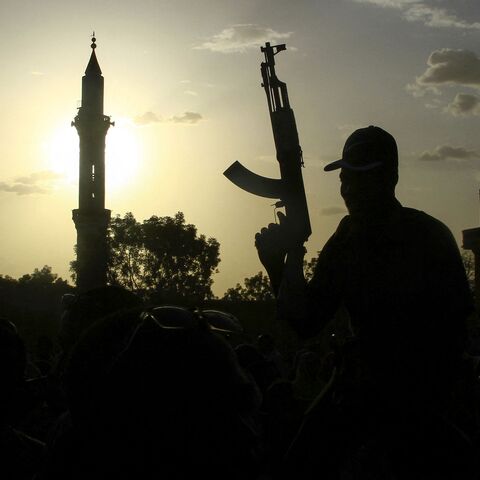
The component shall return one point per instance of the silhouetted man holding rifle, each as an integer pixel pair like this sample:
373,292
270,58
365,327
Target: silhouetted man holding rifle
399,274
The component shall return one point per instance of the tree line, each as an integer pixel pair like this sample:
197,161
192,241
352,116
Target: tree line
163,259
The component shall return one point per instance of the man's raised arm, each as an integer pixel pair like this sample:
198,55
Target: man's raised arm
282,256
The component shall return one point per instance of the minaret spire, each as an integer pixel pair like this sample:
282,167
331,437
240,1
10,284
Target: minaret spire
91,218
93,68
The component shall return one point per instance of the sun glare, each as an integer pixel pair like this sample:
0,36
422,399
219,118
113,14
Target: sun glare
122,154
62,153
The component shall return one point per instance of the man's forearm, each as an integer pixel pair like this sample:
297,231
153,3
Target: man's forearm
275,274
292,300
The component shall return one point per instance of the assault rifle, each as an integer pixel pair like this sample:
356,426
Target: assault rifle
289,188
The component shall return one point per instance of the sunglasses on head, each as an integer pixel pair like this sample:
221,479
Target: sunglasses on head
178,318
172,318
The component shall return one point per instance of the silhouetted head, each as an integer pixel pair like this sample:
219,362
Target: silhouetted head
369,169
160,382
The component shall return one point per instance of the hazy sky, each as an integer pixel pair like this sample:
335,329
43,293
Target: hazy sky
182,83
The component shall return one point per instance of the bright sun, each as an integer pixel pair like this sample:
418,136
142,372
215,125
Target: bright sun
122,154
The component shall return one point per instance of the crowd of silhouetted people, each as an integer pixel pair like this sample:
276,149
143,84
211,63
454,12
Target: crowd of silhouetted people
134,391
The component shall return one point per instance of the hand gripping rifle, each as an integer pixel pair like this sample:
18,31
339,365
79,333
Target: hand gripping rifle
289,188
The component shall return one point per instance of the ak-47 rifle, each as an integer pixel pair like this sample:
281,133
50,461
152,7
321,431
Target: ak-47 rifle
289,188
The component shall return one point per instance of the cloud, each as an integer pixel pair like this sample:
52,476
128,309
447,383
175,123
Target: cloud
435,104
399,4
451,67
21,189
418,90
36,177
37,182
146,119
241,37
149,117
437,17
447,67
330,211
36,73
187,117
190,92
430,16
447,152
464,104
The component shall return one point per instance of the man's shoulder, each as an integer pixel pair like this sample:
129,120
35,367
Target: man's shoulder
422,222
431,237
344,225
405,222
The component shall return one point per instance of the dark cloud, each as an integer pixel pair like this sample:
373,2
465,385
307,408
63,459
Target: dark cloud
464,104
187,117
329,211
238,38
37,182
447,152
451,67
146,119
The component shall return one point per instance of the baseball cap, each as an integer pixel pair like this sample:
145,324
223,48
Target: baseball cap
366,149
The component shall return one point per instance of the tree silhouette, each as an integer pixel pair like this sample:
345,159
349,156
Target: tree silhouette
32,301
41,278
257,288
162,258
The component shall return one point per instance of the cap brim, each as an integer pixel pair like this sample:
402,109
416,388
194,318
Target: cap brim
334,165
344,164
